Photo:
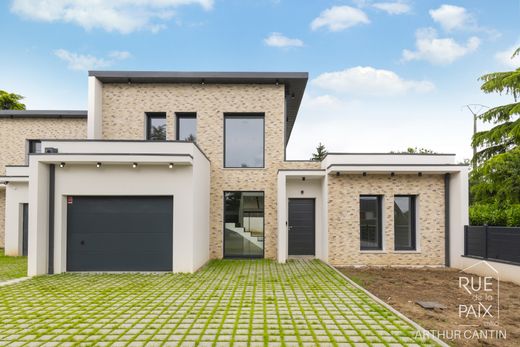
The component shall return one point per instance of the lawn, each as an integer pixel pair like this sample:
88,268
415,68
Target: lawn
12,267
228,302
402,287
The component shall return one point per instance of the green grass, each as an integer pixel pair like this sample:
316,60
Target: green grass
12,267
228,302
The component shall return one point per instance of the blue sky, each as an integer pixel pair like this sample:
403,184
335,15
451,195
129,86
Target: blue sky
384,74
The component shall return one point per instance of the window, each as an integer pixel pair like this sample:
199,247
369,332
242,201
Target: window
186,127
370,222
156,126
244,224
244,140
35,146
404,222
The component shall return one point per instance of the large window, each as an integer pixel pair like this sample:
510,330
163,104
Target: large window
244,224
244,140
370,222
156,126
187,127
404,222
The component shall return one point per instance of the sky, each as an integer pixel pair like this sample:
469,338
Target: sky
384,75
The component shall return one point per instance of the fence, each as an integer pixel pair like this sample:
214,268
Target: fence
493,243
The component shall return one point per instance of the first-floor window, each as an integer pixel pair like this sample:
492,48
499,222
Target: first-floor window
156,126
244,224
370,222
404,222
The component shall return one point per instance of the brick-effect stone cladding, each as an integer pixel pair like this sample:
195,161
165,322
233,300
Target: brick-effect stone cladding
13,135
124,108
343,209
2,217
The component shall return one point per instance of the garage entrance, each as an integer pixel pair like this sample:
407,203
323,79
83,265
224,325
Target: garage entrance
119,233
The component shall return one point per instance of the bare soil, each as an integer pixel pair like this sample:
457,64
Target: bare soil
402,287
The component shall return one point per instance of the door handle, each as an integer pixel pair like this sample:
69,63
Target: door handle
289,227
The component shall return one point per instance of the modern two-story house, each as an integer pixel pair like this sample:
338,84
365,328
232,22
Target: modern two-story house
167,170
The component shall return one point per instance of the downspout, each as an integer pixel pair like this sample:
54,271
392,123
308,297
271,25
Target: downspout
447,220
52,174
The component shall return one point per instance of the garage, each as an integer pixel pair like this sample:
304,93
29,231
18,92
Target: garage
119,233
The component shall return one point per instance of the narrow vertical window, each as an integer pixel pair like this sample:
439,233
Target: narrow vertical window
370,222
35,146
156,126
404,223
187,127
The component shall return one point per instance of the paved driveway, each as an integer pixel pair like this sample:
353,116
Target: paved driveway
229,302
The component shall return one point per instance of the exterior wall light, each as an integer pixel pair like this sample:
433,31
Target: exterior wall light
392,174
364,174
62,164
337,174
98,165
203,82
303,178
134,165
419,174
170,166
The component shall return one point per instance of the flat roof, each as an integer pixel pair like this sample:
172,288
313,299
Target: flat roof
43,114
294,83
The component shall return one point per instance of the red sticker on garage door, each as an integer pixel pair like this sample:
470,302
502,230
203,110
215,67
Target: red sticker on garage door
69,200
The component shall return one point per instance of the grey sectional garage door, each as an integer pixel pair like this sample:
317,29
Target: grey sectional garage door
124,233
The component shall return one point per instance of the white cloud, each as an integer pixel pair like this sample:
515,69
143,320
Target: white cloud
279,40
392,7
339,18
504,57
124,16
368,81
83,62
439,51
452,17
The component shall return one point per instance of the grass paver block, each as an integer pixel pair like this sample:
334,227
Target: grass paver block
226,303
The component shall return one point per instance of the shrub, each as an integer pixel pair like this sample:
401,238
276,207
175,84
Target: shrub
495,214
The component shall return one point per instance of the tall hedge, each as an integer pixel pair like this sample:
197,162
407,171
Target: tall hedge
495,214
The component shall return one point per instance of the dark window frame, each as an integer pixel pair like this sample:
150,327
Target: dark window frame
178,117
379,246
31,149
151,115
244,115
413,217
224,226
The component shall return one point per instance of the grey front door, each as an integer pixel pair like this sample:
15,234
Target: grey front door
119,233
302,227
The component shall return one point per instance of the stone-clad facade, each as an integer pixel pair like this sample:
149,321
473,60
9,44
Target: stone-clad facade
14,133
343,209
124,108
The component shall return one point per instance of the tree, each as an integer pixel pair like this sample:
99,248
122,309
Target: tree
320,154
505,135
10,101
497,180
415,150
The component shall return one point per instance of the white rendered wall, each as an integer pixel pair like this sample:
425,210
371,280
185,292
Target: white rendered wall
95,116
16,193
459,215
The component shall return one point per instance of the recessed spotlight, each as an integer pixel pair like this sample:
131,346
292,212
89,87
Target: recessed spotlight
62,164
134,165
98,165
170,165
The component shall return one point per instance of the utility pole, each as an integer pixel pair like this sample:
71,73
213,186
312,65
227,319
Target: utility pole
475,110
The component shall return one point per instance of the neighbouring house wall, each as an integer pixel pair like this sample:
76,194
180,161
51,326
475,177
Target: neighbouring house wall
2,217
343,216
13,135
124,108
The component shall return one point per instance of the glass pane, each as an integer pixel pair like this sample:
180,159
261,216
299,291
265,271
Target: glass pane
370,222
35,146
157,128
187,129
403,227
243,224
244,142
